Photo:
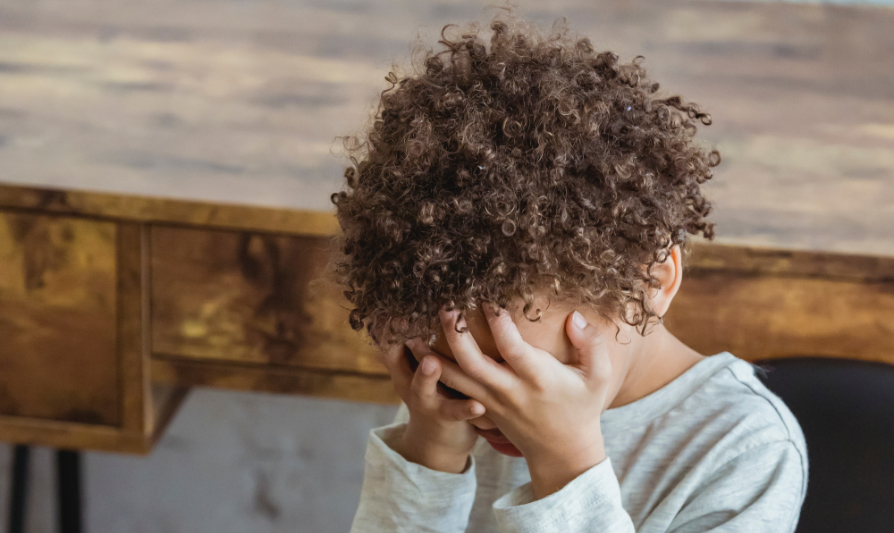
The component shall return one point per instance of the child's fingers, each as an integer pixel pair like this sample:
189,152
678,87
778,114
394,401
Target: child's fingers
461,410
424,385
450,374
424,388
396,362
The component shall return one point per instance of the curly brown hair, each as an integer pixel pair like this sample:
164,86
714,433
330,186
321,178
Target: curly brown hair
493,173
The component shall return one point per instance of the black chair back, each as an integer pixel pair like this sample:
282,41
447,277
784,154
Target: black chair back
846,410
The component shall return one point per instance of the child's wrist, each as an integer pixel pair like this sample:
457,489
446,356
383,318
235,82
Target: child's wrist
417,445
550,473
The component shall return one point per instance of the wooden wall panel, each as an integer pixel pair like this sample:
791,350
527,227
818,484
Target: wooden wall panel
250,298
57,318
764,316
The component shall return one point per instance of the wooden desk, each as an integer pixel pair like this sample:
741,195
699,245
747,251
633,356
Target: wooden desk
112,304
104,296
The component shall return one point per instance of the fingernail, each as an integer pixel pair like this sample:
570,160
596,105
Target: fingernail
476,410
579,320
428,367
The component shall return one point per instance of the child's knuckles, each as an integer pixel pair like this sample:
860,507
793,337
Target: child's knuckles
475,371
500,324
513,353
538,384
482,376
507,399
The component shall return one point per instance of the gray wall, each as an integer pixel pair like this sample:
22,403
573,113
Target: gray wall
230,461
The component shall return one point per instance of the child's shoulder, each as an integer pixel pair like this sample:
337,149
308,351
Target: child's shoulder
742,407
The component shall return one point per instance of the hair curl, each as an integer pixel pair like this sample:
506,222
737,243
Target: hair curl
492,173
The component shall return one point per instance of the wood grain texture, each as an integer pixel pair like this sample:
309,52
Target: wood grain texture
759,316
154,209
84,436
242,102
769,261
277,379
765,303
74,343
58,358
251,298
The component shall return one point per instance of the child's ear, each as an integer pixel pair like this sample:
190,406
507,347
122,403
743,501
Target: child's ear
670,274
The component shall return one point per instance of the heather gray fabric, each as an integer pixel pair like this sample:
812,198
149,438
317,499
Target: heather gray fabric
714,450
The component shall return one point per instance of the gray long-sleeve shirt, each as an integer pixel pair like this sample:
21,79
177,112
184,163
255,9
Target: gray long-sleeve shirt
714,450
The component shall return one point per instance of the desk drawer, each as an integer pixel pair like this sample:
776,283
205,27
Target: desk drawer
73,368
57,319
251,298
254,311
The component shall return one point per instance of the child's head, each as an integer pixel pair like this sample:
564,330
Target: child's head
534,165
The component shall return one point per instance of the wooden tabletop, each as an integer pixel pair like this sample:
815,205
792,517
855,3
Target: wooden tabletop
241,102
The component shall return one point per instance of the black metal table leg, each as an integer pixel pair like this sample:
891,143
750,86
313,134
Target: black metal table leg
68,464
18,493
68,472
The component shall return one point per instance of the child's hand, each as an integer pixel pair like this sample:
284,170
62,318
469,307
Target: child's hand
549,410
438,435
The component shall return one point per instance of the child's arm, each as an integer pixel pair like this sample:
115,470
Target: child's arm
419,473
401,496
590,503
759,490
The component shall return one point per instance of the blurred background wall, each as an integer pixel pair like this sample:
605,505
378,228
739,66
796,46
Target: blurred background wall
234,461
230,461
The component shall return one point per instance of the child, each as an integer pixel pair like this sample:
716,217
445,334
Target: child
514,230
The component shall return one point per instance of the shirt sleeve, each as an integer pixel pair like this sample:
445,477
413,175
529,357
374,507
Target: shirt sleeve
590,503
399,496
761,489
